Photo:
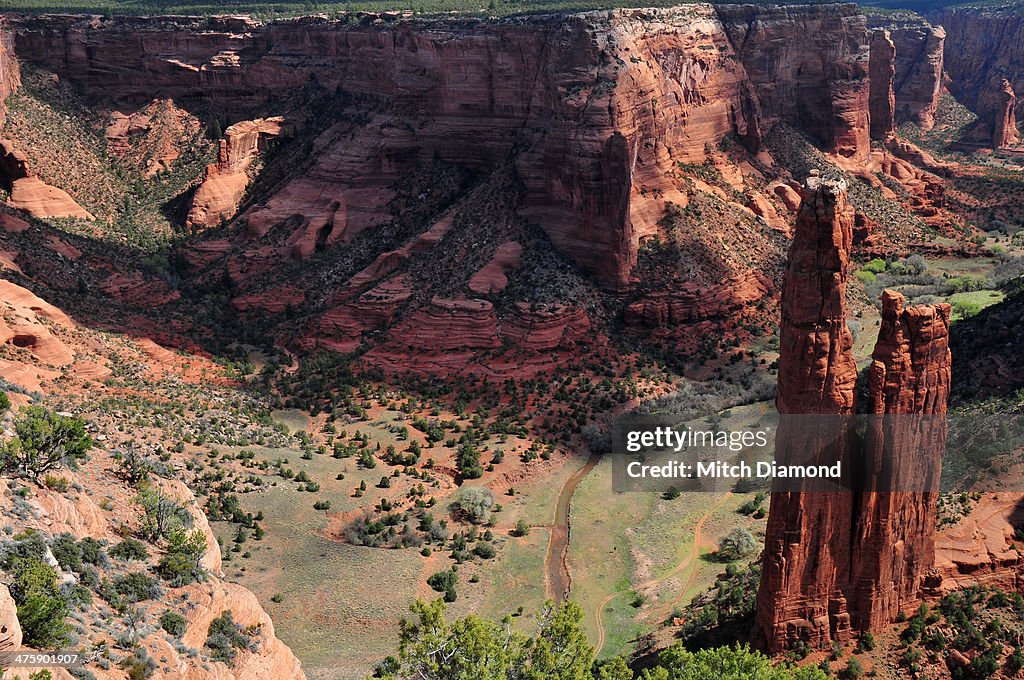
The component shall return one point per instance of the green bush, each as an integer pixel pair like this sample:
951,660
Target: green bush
174,623
40,608
130,550
44,441
875,266
475,503
181,563
737,544
225,637
135,586
865,277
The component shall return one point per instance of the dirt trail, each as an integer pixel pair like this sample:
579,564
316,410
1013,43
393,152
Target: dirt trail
556,561
688,560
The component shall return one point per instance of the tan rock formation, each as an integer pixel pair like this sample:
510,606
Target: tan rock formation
491,278
218,197
10,629
31,194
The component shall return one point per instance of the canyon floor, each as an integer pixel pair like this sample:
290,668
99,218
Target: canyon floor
366,348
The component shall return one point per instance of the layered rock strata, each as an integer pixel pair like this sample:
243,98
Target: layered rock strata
217,198
596,108
841,561
983,48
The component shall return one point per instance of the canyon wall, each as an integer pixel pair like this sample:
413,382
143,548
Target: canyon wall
849,559
882,69
594,109
10,69
983,49
918,64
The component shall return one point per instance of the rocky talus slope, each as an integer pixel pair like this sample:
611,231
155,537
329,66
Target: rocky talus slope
837,562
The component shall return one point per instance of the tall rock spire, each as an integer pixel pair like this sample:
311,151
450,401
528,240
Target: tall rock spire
836,562
807,541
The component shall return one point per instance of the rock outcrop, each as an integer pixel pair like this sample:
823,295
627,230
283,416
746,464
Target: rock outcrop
31,194
837,561
983,48
882,69
997,118
919,71
894,526
807,554
10,69
10,629
217,198
596,108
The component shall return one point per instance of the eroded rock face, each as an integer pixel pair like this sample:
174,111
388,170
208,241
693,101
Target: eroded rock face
908,384
10,69
882,68
983,47
997,116
217,198
840,561
919,71
31,194
596,108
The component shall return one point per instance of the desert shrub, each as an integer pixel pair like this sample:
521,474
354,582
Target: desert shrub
44,441
173,622
521,529
475,503
40,608
162,514
737,544
485,550
132,466
132,587
130,550
138,666
181,563
67,553
5,402
444,582
225,637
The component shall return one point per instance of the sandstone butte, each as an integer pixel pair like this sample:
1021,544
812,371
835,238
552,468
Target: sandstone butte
838,562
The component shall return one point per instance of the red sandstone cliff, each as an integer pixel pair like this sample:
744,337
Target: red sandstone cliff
882,69
807,556
983,47
10,69
839,561
596,108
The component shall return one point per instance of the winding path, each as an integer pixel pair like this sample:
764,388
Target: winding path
688,560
